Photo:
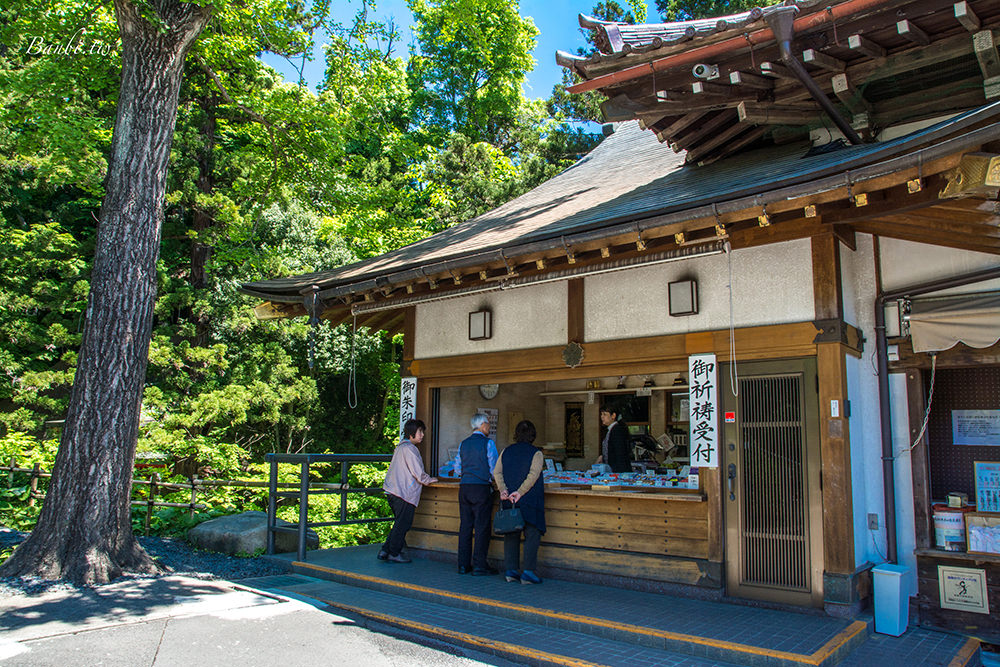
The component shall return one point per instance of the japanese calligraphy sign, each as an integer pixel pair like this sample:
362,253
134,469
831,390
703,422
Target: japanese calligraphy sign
704,442
407,401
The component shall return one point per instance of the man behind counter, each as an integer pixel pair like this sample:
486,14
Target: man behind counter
615,446
478,457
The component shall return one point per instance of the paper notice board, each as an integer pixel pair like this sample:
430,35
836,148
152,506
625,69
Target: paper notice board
987,474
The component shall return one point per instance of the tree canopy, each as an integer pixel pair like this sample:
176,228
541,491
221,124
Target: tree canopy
264,178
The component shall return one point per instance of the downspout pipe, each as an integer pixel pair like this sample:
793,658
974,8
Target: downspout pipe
782,22
881,351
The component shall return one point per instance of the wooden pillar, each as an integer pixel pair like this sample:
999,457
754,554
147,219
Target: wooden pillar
574,311
835,442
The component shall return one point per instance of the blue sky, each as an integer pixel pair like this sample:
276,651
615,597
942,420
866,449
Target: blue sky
556,21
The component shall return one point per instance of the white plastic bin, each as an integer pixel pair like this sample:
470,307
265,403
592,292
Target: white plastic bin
892,602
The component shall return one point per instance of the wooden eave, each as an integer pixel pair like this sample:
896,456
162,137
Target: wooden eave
906,204
890,63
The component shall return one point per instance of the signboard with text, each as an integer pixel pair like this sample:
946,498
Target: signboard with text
703,407
407,401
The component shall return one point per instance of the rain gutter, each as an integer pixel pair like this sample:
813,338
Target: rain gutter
781,22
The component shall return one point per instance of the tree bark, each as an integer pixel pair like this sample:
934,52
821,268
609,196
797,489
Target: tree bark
84,531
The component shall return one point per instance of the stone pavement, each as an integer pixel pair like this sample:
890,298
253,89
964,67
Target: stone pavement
569,623
184,621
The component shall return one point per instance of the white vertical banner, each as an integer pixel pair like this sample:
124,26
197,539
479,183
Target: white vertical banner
703,407
407,401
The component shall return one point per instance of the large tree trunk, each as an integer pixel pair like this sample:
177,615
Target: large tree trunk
84,532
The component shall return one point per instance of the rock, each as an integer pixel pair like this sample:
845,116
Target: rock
245,534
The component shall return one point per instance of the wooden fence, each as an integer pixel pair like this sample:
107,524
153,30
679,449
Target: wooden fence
157,487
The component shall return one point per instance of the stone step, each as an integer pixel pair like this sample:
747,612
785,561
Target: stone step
727,640
518,641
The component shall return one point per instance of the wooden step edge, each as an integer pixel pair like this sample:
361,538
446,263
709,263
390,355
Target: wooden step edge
834,649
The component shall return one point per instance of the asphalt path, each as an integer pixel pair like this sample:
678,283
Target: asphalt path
183,621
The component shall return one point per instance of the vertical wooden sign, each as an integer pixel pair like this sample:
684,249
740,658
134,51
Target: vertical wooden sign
407,401
703,406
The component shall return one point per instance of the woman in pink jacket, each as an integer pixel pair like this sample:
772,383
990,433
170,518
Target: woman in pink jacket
403,483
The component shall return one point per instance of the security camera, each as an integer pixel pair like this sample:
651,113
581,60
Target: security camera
705,71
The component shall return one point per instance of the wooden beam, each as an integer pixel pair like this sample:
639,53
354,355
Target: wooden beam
865,46
682,123
710,88
912,32
738,143
967,17
409,332
895,200
778,71
336,316
652,354
908,233
958,356
721,120
919,461
985,46
705,147
769,114
938,224
750,80
823,61
827,295
575,321
849,96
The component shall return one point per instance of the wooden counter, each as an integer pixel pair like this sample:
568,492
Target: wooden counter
642,533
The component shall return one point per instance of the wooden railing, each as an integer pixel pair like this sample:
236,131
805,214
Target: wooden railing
305,490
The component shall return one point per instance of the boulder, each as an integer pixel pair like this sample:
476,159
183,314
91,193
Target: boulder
244,534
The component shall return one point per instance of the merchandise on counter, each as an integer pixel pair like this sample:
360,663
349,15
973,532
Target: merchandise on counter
684,478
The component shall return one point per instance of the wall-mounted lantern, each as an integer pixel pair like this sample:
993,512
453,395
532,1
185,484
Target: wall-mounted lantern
683,298
480,325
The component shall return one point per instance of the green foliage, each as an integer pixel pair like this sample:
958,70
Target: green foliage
267,179
472,61
686,10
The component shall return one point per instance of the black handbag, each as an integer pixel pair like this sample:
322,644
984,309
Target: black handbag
508,520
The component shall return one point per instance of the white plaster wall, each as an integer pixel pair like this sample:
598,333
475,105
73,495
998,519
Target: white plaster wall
459,404
771,285
865,429
522,318
905,263
906,533
858,289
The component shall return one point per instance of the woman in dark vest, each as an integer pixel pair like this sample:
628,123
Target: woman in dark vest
520,467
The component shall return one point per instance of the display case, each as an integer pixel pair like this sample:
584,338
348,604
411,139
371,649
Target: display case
678,427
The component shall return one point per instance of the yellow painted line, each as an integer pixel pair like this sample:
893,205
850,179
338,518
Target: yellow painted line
966,654
815,658
462,637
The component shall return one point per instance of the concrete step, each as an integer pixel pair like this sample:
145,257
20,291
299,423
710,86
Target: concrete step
710,630
740,639
522,642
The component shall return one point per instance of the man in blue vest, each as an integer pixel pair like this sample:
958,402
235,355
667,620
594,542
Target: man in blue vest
478,456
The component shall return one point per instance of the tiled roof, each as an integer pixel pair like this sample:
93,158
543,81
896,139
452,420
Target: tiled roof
621,42
629,177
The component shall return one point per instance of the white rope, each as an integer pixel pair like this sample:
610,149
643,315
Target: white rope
734,374
352,384
927,412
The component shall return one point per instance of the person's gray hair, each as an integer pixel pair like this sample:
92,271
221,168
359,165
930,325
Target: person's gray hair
478,420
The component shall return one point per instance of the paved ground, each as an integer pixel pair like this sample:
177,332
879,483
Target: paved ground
185,621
